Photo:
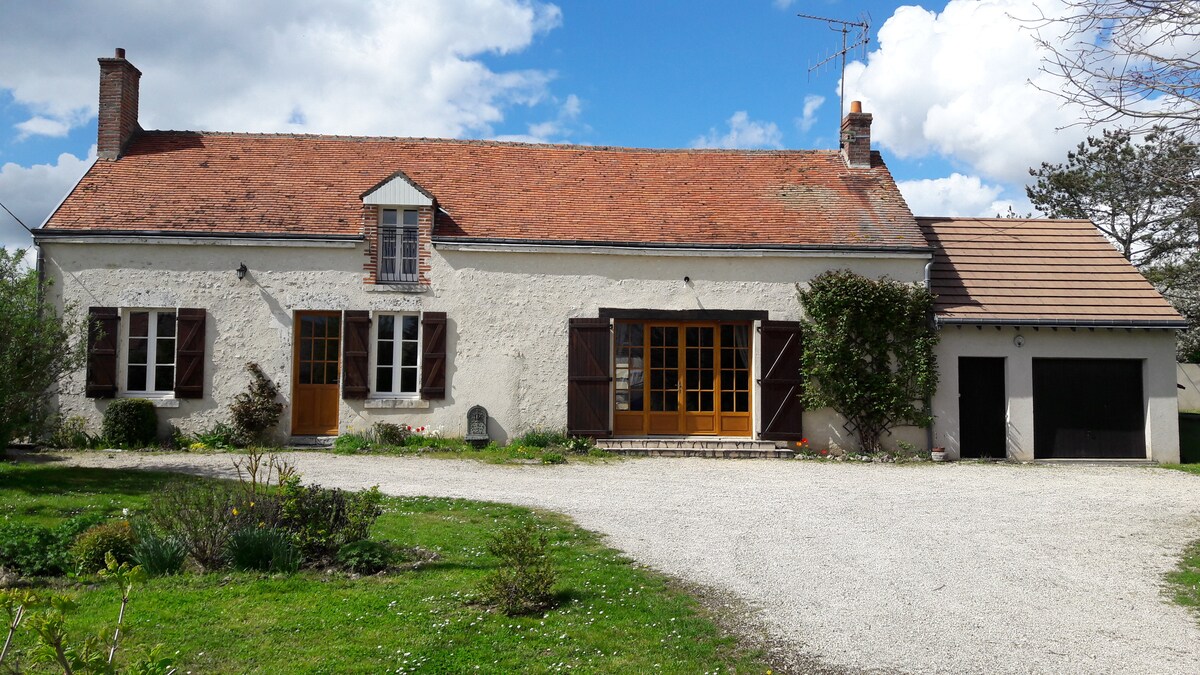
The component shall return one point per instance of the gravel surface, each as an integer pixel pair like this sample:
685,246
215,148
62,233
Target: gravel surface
961,568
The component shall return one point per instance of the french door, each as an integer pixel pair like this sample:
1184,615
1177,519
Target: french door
682,378
315,377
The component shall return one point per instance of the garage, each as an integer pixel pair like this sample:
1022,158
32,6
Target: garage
1088,409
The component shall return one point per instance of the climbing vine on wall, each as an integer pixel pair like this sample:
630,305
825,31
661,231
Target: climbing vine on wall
868,352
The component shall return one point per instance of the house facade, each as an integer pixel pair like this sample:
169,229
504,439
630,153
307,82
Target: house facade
610,291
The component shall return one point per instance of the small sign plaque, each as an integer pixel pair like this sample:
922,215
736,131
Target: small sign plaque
477,419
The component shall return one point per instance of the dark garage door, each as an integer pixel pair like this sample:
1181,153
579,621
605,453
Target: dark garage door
1088,409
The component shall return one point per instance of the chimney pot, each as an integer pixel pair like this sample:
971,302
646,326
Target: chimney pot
855,106
120,54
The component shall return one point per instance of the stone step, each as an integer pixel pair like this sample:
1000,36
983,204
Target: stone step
717,448
311,442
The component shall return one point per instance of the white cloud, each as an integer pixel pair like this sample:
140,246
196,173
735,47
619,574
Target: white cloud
555,130
963,84
808,117
33,192
743,133
954,195
42,126
390,67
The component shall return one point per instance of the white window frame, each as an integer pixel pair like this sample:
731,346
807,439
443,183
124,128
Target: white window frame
152,338
397,350
400,228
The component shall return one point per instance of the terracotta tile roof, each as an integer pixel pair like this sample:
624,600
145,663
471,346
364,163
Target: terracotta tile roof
1052,271
184,182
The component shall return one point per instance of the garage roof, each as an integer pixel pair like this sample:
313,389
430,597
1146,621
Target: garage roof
1037,272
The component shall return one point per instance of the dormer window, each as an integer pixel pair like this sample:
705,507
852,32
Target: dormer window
398,247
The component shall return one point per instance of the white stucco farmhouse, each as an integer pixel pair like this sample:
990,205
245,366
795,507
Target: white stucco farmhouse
615,292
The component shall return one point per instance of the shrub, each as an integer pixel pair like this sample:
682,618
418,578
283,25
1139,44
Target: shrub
541,438
389,434
72,433
553,458
130,423
31,550
114,537
348,444
366,556
323,520
255,411
158,554
524,581
219,436
263,549
200,516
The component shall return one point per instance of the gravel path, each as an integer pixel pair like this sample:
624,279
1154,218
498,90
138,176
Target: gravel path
962,568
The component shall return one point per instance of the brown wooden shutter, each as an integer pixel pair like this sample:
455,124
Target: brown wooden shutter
102,352
589,394
433,355
780,353
356,341
189,352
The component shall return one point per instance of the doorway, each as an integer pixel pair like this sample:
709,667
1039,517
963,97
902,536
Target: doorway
682,378
982,408
317,362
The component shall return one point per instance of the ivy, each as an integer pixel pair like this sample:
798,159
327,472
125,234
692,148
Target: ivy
868,352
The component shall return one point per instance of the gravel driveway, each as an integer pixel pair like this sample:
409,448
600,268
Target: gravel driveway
962,568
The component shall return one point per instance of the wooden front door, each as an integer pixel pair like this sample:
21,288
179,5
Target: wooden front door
315,377
682,378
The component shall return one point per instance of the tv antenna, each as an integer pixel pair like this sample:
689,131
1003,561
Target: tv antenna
862,36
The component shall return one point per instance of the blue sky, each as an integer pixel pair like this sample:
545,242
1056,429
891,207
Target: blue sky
948,81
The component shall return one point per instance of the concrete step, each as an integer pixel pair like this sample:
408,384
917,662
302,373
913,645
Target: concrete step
705,446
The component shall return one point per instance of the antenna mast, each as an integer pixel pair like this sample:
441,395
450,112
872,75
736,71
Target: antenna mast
862,37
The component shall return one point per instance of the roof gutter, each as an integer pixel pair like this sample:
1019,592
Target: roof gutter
193,238
1065,323
481,244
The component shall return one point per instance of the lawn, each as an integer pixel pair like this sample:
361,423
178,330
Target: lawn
613,616
1185,580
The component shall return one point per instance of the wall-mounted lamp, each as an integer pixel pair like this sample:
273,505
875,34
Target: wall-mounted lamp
687,280
241,271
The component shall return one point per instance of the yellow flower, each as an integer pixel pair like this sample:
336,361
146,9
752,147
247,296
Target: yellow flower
251,503
235,511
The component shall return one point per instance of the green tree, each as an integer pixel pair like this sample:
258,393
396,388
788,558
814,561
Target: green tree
868,352
1141,195
37,347
1145,197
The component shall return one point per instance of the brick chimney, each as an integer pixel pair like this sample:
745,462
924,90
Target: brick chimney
118,120
856,137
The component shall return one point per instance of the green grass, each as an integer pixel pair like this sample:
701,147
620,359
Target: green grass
1188,468
613,616
1185,580
532,446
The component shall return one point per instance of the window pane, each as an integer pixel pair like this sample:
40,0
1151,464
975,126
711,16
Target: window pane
136,379
164,354
727,401
306,350
383,380
139,324
138,350
331,373
408,380
385,353
693,379
693,401
166,324
706,401
743,380
387,327
410,327
333,326
306,326
388,217
629,334
305,372
743,401
706,379
164,378
410,217
408,354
